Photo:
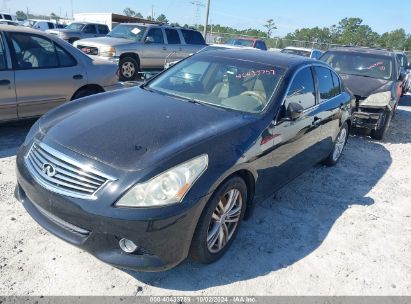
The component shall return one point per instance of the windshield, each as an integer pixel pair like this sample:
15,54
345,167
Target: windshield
367,65
128,31
75,26
222,82
241,42
297,52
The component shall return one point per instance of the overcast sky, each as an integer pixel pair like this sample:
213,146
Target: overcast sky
288,15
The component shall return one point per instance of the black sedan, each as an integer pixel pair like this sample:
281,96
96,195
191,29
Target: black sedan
144,177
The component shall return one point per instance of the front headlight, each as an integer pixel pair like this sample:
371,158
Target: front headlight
378,100
169,187
107,51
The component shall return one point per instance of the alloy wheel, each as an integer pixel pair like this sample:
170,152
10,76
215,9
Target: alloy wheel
339,144
224,220
128,69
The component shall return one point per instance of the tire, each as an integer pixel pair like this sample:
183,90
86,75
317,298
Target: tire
203,252
338,146
129,69
380,133
85,92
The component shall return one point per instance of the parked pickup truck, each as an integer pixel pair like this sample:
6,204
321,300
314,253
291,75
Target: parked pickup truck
80,30
137,46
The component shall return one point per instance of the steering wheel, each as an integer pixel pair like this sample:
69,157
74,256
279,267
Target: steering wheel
258,96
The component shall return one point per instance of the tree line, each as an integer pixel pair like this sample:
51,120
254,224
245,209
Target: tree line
348,31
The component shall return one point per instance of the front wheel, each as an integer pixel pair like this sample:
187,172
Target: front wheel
339,146
219,223
129,69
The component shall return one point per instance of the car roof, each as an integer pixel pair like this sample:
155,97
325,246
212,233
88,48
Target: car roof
278,59
300,49
159,25
362,50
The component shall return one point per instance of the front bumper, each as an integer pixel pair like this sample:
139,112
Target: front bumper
163,238
368,120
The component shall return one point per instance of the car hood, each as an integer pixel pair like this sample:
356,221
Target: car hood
104,41
365,86
133,129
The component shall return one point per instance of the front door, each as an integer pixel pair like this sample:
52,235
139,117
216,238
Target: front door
156,50
289,147
8,105
46,75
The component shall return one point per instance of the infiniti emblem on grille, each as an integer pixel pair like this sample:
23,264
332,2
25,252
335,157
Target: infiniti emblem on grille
49,170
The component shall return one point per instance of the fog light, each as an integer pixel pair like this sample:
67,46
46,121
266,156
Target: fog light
127,246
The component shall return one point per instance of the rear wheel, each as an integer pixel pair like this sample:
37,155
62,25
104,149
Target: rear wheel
339,146
380,133
220,221
129,69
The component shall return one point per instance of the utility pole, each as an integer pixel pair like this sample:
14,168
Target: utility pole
206,19
152,12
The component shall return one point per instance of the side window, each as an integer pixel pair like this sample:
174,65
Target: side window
192,37
2,55
50,25
302,89
261,45
172,36
157,35
90,29
325,83
65,59
102,29
337,84
33,52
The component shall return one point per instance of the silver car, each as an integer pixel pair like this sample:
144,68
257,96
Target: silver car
80,30
137,47
39,72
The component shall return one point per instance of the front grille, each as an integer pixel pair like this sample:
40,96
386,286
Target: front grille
61,174
63,224
89,50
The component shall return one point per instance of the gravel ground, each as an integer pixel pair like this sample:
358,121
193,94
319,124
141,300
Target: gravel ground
333,231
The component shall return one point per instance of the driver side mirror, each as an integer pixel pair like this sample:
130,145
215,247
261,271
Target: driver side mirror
149,39
294,110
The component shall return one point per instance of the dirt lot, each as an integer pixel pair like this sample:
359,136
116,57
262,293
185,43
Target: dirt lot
333,231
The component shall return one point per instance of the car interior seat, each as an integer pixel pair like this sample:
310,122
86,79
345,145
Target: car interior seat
229,87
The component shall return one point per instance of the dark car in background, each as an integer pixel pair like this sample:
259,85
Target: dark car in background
170,169
375,78
248,42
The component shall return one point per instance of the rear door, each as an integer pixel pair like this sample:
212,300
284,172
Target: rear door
174,45
330,105
8,105
46,75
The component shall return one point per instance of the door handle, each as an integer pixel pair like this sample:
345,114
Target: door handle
164,48
316,122
78,77
5,82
